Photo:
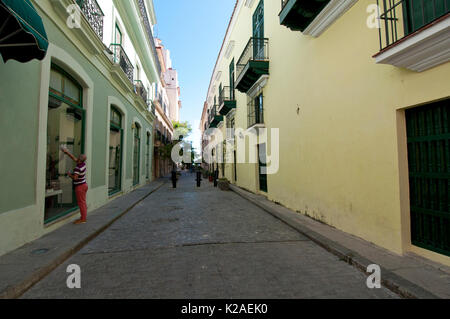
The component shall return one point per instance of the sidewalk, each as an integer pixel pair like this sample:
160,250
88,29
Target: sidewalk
410,276
25,266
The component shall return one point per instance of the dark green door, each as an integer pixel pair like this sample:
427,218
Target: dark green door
262,167
232,80
429,175
258,32
136,154
235,167
419,13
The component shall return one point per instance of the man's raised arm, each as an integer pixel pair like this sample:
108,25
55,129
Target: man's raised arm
66,151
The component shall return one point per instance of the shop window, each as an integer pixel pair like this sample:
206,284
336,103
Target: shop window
65,126
147,169
115,152
136,153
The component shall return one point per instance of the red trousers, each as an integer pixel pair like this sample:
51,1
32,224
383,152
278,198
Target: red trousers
80,193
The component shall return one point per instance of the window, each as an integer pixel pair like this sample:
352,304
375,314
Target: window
136,153
256,110
262,167
115,152
147,155
258,31
232,80
230,127
419,13
138,72
66,119
118,36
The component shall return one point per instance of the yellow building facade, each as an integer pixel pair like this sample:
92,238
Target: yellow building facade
342,92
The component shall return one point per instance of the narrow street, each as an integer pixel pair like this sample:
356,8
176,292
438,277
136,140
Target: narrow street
204,243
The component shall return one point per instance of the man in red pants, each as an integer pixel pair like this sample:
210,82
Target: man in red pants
79,181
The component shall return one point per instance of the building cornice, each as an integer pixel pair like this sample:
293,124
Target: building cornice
101,61
137,34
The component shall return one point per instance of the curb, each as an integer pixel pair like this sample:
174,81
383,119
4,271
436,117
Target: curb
390,280
16,291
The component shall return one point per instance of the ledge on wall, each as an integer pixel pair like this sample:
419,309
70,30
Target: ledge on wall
85,33
422,50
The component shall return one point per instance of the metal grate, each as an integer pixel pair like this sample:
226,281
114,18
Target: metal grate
121,58
399,18
257,49
255,111
226,94
140,90
429,175
93,14
148,29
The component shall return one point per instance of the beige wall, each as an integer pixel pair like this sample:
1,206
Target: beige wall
342,156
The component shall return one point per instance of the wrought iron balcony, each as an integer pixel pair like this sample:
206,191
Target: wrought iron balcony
148,30
214,117
255,111
253,63
121,58
227,100
297,15
139,88
152,106
93,14
401,18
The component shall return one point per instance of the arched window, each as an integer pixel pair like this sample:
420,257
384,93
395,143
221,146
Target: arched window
147,155
65,128
115,152
136,153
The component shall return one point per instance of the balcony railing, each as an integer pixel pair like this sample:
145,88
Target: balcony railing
257,49
121,58
212,113
227,100
227,94
148,29
255,112
400,18
252,64
214,117
152,106
93,14
139,88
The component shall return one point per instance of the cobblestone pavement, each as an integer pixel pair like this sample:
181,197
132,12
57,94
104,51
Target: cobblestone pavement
193,242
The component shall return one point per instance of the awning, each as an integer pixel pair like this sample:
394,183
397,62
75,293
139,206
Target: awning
22,33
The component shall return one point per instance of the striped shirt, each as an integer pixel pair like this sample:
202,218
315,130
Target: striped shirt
80,170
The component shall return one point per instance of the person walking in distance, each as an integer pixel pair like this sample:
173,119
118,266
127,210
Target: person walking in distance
79,181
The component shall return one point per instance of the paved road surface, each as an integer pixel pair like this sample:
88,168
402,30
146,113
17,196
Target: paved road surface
204,243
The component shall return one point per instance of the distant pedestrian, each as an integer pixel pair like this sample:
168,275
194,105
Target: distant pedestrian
174,178
79,181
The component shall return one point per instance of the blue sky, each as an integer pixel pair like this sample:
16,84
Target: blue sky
193,31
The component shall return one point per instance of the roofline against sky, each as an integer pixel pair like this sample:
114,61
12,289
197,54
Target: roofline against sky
233,15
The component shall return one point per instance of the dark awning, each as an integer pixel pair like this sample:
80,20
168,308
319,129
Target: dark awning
22,33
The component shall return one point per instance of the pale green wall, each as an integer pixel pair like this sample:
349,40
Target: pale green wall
102,89
19,125
19,97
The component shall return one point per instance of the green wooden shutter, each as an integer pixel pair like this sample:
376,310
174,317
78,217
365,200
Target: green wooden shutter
419,13
232,80
429,175
258,31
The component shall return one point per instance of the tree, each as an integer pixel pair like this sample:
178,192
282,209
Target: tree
181,131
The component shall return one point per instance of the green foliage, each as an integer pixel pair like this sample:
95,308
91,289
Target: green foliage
181,129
